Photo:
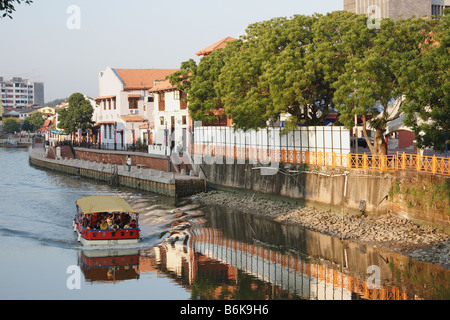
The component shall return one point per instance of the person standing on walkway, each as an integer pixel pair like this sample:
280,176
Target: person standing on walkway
129,163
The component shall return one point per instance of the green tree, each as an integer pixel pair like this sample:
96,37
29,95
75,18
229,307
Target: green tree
425,78
199,82
11,125
33,122
8,6
369,86
78,115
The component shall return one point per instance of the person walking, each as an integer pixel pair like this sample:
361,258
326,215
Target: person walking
129,163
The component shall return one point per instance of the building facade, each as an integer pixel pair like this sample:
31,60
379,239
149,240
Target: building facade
172,125
19,93
125,107
396,9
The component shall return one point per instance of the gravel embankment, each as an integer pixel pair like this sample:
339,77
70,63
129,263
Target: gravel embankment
391,232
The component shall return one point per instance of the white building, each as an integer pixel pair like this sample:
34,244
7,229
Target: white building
19,93
125,106
172,124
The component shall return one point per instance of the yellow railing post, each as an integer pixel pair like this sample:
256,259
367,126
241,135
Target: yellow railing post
403,161
433,165
418,164
365,166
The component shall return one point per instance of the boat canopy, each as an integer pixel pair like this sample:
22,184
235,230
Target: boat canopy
102,204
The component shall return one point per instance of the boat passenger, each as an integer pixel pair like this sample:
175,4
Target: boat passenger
103,225
133,224
110,221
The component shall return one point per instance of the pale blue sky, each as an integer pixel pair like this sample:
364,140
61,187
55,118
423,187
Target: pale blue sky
37,44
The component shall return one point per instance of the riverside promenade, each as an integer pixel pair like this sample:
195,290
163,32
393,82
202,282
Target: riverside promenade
141,178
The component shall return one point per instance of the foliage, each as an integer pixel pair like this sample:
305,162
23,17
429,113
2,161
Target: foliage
10,125
426,80
302,67
77,115
7,6
34,122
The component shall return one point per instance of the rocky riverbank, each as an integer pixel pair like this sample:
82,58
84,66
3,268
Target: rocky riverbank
391,232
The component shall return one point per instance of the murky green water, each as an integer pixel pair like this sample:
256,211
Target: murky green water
219,254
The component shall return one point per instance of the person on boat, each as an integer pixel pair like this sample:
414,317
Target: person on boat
124,221
110,221
133,224
103,225
115,226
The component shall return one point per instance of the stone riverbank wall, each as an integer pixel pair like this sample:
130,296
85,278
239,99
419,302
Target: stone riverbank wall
141,178
421,197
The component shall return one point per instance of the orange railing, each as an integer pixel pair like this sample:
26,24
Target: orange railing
396,162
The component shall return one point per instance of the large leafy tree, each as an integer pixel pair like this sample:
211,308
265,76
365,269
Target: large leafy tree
7,7
78,115
199,82
425,77
369,85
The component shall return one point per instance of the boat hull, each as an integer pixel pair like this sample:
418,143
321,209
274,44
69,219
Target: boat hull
106,237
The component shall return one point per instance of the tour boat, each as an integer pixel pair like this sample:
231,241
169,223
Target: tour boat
106,221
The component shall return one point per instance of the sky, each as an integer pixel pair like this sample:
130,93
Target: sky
66,43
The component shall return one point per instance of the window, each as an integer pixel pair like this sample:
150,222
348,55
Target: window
183,103
109,104
161,119
161,102
133,103
114,103
183,120
176,95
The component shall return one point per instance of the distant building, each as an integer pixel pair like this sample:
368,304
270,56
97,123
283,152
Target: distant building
396,9
19,93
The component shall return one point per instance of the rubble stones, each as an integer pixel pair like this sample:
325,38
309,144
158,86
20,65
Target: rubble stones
390,231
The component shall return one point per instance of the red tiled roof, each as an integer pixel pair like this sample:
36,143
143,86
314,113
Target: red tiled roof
163,86
132,119
142,79
218,45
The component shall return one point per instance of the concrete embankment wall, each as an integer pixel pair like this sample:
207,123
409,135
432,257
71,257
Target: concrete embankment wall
147,179
417,196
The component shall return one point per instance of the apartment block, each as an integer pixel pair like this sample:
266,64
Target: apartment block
19,93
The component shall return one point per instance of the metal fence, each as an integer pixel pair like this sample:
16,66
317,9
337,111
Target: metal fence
321,146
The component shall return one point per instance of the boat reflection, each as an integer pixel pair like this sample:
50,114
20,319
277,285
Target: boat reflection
109,265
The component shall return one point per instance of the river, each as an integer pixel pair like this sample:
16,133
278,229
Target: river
222,255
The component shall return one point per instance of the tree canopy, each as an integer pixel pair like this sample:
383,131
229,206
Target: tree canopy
426,80
78,115
303,67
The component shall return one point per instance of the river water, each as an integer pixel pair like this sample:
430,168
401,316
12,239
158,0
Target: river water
223,254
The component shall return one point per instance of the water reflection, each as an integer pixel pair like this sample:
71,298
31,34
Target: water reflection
227,255
109,265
